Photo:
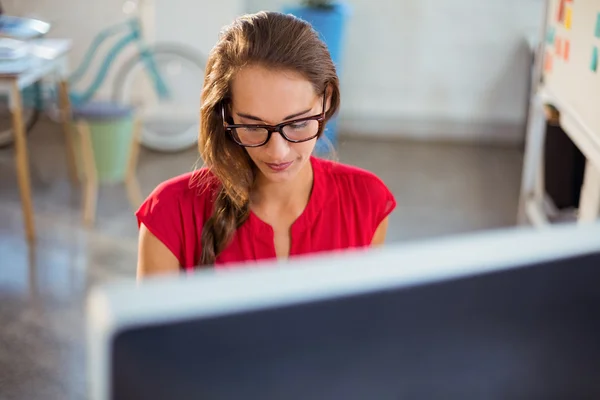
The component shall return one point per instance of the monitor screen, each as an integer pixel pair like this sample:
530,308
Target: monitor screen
531,332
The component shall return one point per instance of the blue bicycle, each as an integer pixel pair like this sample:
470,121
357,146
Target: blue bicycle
163,81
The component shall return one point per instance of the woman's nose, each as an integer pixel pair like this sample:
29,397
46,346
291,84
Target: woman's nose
277,147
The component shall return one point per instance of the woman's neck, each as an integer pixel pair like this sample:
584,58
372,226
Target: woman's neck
279,195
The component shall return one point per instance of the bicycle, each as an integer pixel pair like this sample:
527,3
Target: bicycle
167,126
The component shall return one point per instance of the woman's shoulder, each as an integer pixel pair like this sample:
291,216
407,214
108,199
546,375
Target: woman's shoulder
176,209
357,188
349,174
179,197
196,185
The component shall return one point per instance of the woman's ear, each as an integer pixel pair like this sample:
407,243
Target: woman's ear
225,111
328,94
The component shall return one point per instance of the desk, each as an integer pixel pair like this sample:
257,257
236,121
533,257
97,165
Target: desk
533,203
49,58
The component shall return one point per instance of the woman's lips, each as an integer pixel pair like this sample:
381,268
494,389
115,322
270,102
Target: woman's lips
278,167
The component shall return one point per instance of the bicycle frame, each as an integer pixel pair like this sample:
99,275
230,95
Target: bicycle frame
132,28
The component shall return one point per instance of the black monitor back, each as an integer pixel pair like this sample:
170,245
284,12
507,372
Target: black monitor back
531,332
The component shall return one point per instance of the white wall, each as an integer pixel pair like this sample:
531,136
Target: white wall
419,68
192,22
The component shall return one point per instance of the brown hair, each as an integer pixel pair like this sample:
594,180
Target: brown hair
273,40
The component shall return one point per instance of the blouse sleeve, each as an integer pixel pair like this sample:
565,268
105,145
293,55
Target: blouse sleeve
377,200
161,213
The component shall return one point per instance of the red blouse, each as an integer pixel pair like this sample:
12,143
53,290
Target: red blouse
346,206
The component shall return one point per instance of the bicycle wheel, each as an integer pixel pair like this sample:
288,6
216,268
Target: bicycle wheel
31,98
168,124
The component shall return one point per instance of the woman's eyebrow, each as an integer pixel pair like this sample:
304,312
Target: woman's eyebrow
254,118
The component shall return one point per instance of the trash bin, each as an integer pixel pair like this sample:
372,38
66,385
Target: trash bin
111,127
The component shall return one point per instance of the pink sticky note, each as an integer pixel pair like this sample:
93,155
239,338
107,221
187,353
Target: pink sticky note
548,62
566,49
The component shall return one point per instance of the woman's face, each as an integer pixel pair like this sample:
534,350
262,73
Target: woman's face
264,96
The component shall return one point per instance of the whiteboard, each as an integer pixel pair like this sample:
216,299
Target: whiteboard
572,39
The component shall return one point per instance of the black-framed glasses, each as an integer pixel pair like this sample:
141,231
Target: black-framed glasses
294,131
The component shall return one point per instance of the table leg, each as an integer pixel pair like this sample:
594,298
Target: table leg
531,184
65,111
22,161
90,176
589,204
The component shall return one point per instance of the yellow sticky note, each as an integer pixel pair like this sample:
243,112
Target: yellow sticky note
568,17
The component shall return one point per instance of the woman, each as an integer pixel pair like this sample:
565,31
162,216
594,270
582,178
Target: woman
269,90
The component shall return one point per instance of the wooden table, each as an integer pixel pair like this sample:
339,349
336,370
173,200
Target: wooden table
48,60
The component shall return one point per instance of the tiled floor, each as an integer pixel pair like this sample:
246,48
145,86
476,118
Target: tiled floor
441,190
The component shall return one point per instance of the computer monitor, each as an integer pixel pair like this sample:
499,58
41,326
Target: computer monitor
509,314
